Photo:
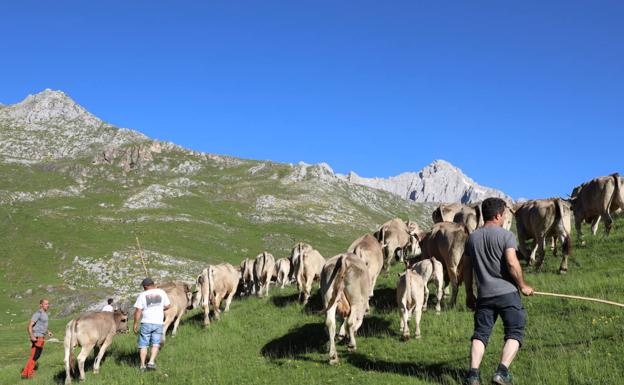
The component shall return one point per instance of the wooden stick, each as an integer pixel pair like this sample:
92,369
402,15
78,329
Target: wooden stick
579,297
141,256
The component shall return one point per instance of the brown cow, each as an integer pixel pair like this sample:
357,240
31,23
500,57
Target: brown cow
87,331
282,267
179,294
307,265
345,286
247,276
410,296
264,264
446,242
370,251
469,215
215,283
596,199
540,219
394,236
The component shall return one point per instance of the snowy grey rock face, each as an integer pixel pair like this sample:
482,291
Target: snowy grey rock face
50,125
438,182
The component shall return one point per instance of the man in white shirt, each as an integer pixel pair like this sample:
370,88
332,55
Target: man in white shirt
149,311
109,306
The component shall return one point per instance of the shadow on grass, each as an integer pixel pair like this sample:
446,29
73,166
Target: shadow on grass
59,378
384,300
297,342
285,300
439,373
374,326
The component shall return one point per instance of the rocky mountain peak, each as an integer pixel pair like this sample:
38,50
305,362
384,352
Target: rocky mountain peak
439,181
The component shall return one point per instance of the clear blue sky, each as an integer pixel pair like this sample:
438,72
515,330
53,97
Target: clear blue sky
525,96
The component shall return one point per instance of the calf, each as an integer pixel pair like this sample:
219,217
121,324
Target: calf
215,283
307,266
282,267
264,265
87,331
410,297
431,270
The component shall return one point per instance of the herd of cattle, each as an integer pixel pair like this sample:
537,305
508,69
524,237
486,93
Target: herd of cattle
347,280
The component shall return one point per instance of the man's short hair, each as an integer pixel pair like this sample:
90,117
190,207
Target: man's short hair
41,301
492,206
147,282
110,301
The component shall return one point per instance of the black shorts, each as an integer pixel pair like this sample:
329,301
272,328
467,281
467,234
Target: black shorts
509,308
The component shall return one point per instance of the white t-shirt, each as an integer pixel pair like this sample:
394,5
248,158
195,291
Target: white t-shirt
108,307
152,302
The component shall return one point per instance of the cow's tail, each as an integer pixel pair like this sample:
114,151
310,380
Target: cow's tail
616,198
338,284
300,281
559,217
70,342
211,295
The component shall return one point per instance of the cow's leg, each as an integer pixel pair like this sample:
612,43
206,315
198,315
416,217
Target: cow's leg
536,244
608,221
176,323
82,357
540,242
308,289
354,320
206,307
373,283
553,245
426,298
439,281
228,301
564,240
103,347
405,314
216,306
522,246
454,283
166,324
417,311
578,224
330,327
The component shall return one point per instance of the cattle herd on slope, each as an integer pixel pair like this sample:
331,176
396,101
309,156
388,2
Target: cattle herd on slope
347,280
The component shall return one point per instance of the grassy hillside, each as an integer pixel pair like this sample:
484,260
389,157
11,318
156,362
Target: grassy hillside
274,341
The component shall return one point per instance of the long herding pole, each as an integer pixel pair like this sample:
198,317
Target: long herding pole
142,258
579,297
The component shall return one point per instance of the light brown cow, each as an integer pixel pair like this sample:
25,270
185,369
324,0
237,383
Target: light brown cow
410,296
215,283
597,199
345,286
247,276
90,330
540,219
469,215
180,296
307,264
394,236
431,270
370,251
264,265
446,242
282,267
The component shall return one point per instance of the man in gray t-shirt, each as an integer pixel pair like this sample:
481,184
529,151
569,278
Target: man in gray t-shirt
491,257
37,330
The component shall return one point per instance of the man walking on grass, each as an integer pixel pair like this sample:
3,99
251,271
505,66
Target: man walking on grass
37,330
149,311
491,255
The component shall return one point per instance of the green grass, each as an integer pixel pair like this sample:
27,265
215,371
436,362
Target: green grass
274,341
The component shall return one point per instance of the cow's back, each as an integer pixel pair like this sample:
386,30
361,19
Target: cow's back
94,327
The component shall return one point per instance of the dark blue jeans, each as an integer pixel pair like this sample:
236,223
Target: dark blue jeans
509,308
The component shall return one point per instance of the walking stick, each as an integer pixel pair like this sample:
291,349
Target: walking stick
142,257
579,297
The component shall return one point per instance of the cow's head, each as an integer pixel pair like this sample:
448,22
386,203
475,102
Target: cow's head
413,249
121,321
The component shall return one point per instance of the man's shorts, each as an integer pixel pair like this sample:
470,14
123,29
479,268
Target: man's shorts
150,334
509,308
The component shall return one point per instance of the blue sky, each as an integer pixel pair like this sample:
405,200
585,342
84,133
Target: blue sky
523,96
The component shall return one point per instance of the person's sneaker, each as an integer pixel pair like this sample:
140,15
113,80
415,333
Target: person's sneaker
471,380
151,367
142,368
502,379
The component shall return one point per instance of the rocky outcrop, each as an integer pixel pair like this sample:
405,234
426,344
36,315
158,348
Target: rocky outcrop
438,182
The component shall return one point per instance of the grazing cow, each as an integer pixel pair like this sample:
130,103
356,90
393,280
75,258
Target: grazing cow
282,267
596,199
307,264
90,330
247,276
215,283
345,286
394,236
410,297
180,296
264,264
469,215
446,242
540,219
369,250
431,270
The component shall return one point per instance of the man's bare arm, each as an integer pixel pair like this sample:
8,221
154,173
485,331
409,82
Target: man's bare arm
516,271
30,331
137,319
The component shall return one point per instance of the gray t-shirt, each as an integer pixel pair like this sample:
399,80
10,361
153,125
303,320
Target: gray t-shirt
486,247
40,318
